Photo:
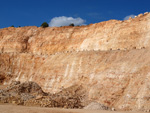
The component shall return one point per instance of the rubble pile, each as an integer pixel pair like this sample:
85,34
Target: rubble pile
31,94
18,93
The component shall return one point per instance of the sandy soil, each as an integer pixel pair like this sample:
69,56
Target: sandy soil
6,108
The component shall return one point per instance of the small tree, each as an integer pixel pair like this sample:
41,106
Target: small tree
44,25
72,24
12,26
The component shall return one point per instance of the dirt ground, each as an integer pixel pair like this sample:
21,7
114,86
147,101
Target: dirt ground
7,108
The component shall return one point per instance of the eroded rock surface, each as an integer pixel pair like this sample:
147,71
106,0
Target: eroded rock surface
110,59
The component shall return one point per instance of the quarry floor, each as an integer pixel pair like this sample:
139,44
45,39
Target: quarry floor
8,108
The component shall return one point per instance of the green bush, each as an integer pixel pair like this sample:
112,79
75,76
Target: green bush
44,25
71,24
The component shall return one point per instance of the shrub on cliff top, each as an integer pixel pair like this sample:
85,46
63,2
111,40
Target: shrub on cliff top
44,25
71,24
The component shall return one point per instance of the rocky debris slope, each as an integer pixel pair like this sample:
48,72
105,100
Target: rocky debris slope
18,93
30,94
72,97
109,59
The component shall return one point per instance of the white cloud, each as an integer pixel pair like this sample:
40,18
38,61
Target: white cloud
65,21
127,17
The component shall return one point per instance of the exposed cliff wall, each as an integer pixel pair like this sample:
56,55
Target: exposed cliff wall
110,59
107,35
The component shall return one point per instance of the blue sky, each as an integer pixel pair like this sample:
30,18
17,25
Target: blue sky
34,12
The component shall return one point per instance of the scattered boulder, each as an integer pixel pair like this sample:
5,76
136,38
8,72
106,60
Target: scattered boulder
96,106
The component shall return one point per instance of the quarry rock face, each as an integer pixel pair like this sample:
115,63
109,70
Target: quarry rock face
111,60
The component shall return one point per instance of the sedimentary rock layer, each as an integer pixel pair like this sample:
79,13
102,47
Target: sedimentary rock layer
110,59
109,35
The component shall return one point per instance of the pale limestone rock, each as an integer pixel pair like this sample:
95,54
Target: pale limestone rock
107,73
140,15
146,13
